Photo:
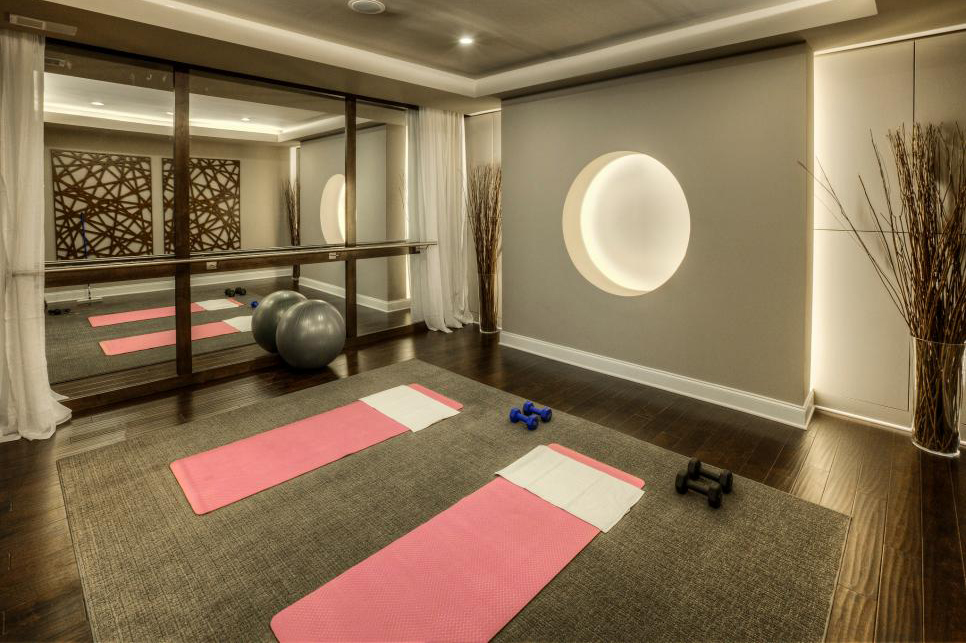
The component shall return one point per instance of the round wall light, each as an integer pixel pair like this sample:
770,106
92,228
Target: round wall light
332,209
626,223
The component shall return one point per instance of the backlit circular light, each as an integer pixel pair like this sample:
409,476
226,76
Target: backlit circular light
626,223
466,40
332,209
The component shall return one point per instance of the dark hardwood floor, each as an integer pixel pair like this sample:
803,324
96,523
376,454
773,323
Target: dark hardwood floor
902,575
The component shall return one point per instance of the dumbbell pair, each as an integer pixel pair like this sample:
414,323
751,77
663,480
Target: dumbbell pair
719,482
529,415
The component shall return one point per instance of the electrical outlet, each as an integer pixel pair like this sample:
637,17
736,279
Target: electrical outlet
211,265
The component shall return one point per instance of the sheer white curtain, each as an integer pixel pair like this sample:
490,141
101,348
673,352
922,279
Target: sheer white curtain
28,407
437,211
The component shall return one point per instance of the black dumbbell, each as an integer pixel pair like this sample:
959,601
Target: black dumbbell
240,291
683,484
697,469
229,292
530,409
516,415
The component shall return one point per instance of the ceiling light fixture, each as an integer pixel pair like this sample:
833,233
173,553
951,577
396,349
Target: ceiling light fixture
466,40
97,103
368,7
245,119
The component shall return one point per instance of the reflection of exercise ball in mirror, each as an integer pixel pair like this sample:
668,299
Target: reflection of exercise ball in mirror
332,209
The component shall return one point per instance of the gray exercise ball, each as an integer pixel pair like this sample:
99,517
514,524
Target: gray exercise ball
310,334
266,317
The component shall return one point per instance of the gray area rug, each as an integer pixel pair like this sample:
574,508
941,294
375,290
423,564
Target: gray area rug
72,343
762,568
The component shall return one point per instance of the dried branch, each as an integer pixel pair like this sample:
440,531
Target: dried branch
484,207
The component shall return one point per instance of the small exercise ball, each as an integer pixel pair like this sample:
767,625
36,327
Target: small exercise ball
310,334
268,313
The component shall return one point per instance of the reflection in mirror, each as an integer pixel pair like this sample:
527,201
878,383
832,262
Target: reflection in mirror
332,210
108,123
245,140
382,287
102,330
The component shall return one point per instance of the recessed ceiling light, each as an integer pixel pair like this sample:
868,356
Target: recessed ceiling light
466,40
170,113
245,119
368,7
97,103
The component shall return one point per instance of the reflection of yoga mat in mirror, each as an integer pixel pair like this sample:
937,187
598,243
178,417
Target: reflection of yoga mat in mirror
160,312
465,573
223,475
147,341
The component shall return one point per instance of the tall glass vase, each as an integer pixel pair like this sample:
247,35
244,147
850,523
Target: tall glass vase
489,303
937,396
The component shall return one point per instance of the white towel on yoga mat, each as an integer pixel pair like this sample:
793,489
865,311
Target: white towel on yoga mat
593,496
409,407
217,304
243,323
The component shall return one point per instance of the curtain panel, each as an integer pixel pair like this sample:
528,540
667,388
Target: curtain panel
28,407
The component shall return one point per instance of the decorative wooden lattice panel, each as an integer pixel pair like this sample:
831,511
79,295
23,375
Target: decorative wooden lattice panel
214,206
102,204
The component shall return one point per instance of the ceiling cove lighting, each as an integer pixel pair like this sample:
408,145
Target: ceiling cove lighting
466,40
97,103
626,223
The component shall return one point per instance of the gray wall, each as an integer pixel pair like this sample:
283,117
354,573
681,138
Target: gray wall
380,215
861,348
732,132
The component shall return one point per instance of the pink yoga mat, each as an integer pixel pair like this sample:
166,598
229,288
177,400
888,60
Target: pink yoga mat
163,338
141,315
221,476
461,576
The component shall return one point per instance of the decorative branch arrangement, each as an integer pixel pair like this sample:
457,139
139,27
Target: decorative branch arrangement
291,192
484,206
919,255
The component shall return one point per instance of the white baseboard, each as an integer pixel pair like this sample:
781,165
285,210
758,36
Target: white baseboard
766,407
905,428
160,285
363,300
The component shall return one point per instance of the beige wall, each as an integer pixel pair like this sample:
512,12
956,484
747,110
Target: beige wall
482,146
733,132
380,215
262,169
861,349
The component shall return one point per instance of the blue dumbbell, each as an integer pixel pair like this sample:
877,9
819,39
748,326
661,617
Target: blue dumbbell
517,416
254,304
530,409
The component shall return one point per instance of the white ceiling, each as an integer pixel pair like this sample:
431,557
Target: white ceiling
68,100
544,41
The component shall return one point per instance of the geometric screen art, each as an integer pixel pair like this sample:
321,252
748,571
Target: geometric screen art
102,204
214,206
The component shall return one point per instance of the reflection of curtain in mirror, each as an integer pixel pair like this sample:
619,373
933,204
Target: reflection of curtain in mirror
27,405
437,210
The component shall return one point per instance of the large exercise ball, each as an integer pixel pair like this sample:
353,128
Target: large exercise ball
310,334
266,317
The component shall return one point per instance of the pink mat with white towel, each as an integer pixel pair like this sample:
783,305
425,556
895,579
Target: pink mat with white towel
223,475
464,574
122,345
158,313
